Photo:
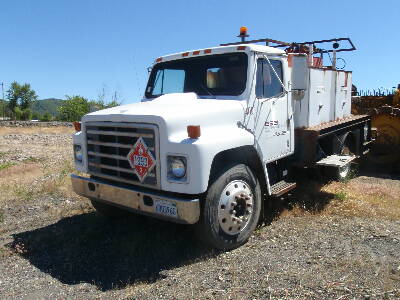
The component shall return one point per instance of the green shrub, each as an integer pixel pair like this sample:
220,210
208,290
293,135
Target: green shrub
341,196
22,114
36,116
17,113
26,114
46,117
6,165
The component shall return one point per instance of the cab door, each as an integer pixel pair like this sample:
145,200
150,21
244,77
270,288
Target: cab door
273,123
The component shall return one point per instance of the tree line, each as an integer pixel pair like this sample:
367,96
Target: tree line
20,97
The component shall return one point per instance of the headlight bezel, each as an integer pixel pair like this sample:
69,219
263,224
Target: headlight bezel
177,159
78,153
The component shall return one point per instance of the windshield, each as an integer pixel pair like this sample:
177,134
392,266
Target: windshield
211,75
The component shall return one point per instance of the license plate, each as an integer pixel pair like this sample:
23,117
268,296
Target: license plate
166,208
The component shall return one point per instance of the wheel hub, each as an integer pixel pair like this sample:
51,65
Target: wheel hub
344,171
235,207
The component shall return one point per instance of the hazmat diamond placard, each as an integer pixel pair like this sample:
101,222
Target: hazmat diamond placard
141,159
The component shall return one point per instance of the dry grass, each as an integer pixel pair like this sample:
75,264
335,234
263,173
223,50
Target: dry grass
34,177
6,165
14,181
359,197
15,170
37,180
37,130
365,198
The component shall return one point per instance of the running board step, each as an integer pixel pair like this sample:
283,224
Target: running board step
336,160
282,187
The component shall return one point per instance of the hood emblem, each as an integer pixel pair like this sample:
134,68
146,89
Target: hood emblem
141,159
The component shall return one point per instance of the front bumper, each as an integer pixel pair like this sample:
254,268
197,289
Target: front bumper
187,210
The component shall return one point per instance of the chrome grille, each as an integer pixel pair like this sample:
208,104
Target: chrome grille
108,145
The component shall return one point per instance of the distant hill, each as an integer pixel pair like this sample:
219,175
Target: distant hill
49,105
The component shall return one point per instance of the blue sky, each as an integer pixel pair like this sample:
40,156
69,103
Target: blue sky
78,47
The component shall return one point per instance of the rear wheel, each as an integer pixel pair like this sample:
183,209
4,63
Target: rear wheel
231,209
338,174
343,146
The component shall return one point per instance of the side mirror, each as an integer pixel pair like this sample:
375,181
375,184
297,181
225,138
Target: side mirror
299,76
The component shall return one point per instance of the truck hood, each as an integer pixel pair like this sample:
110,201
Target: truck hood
174,112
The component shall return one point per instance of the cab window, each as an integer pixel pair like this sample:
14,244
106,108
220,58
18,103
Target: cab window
209,75
169,81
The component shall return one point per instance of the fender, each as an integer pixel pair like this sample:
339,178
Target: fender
202,152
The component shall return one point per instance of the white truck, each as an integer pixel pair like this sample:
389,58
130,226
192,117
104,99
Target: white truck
219,133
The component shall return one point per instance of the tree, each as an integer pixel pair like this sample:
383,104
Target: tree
102,103
20,96
74,108
98,105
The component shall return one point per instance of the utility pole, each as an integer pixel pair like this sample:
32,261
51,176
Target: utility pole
3,102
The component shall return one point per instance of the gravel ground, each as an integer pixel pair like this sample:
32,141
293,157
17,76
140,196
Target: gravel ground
7,123
53,246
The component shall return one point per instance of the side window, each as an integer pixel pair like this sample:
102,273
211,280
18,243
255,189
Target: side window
169,81
267,84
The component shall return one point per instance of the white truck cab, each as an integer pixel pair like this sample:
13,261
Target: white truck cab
217,130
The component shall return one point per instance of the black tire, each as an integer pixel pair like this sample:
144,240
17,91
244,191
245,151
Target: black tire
210,228
341,145
108,211
338,174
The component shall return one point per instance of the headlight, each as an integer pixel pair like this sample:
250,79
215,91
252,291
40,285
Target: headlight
78,153
176,167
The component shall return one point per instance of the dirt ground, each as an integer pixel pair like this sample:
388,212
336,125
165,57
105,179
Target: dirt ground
325,241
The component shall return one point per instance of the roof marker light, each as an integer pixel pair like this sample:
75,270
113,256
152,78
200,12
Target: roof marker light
159,59
197,52
185,54
241,47
207,51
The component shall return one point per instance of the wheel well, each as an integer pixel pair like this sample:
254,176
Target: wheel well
350,140
332,143
242,155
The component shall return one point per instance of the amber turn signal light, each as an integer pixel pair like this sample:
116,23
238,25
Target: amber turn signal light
194,131
77,126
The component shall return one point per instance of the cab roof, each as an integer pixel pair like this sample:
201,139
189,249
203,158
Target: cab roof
221,50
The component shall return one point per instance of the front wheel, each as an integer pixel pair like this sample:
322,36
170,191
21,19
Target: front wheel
231,209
